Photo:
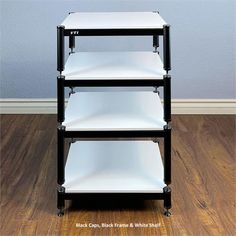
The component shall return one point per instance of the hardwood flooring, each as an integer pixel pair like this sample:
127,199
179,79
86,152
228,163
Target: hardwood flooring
203,183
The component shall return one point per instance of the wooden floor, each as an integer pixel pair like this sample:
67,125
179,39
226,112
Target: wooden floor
203,186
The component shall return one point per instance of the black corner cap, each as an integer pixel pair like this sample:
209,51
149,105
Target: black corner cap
61,77
61,127
166,189
167,76
166,26
167,127
61,27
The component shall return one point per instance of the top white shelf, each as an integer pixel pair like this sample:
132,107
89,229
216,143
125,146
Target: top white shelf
114,20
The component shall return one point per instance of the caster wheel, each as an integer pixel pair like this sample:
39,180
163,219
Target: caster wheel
60,213
167,213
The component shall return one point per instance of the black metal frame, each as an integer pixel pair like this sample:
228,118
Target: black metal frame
63,134
166,48
62,196
72,43
166,196
60,48
114,83
113,32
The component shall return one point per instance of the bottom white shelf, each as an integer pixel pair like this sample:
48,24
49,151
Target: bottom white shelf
114,167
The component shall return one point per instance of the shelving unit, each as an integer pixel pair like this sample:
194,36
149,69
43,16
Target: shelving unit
105,159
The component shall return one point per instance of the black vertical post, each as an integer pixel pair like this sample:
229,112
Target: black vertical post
60,202
167,155
167,98
166,48
71,43
167,198
155,41
60,99
60,48
60,155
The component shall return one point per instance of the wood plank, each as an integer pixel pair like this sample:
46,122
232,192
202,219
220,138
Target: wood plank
203,183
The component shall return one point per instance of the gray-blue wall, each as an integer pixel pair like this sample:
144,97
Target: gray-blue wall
203,44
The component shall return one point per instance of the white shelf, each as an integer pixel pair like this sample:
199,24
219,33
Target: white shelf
114,167
113,65
114,20
112,111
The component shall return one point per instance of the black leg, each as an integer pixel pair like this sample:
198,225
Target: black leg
167,98
167,155
60,170
60,48
167,200
60,99
166,48
60,200
72,44
60,155
155,42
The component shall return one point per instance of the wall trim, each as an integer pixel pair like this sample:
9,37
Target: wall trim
179,106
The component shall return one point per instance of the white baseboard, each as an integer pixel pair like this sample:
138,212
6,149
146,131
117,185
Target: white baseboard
179,106
204,106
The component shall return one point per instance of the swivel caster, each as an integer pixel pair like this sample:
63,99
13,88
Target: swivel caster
167,213
60,213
